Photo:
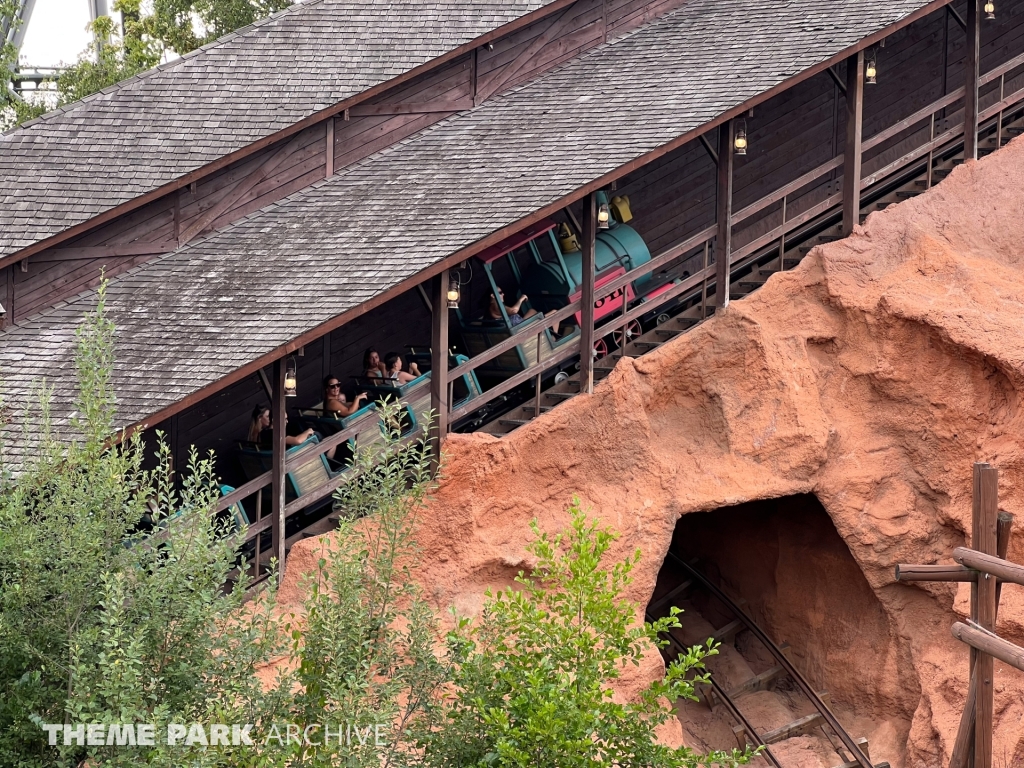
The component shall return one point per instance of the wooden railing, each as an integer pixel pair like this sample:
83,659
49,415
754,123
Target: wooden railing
703,278
697,283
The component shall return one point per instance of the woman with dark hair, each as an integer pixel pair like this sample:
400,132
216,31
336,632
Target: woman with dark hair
261,430
336,403
373,368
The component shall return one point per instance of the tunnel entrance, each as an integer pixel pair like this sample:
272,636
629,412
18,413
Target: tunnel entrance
784,565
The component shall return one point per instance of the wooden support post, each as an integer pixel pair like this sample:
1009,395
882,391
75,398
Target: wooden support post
723,242
852,151
277,413
971,72
439,365
329,149
325,355
986,513
963,747
589,235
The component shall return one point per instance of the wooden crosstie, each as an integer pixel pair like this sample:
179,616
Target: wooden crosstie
985,568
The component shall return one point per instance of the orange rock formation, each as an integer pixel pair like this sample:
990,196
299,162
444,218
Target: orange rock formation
872,376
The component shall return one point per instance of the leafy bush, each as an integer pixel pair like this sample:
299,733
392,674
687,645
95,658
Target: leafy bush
532,682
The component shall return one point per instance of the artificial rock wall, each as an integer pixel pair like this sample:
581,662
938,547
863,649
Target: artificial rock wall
872,376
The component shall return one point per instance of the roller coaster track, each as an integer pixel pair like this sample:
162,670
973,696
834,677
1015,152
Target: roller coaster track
859,758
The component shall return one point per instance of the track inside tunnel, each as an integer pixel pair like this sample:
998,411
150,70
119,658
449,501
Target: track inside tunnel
782,564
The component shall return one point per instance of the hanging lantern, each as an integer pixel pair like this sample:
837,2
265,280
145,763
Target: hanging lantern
291,380
739,142
603,216
990,10
870,70
453,294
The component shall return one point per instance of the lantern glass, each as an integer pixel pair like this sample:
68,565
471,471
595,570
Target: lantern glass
990,10
291,382
870,72
739,142
453,295
603,215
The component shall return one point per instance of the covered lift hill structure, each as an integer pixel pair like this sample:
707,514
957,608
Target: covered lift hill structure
240,230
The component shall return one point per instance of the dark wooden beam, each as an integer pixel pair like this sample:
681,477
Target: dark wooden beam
951,11
983,539
492,84
439,364
411,107
723,241
589,234
708,148
106,251
239,189
836,79
277,481
852,152
329,171
971,73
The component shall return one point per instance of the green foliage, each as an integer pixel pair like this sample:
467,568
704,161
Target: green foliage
118,58
13,109
365,650
101,623
174,21
162,26
533,675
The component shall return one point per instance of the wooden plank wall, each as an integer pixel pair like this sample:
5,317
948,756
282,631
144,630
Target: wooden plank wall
59,273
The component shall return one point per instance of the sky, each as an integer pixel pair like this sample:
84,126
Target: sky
57,33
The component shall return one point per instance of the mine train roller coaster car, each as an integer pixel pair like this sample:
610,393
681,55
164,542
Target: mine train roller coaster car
548,269
617,250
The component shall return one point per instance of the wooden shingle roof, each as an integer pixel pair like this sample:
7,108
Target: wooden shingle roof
77,162
194,316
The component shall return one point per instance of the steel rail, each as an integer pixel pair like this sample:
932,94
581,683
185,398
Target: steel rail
742,720
729,703
785,663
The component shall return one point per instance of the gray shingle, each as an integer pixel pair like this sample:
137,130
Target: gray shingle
91,156
194,316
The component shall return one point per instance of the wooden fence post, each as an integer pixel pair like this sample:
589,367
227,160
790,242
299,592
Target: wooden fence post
278,415
983,539
439,365
723,241
589,235
852,151
971,72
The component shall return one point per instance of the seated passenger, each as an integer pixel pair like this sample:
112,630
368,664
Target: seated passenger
261,432
494,311
373,368
393,369
335,401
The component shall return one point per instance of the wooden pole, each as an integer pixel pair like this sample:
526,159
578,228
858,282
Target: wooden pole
988,647
984,540
906,572
277,413
971,72
723,241
852,151
963,747
439,365
589,235
989,565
